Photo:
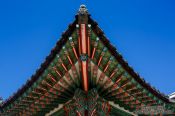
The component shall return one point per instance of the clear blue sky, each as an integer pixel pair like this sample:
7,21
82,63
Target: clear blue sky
142,30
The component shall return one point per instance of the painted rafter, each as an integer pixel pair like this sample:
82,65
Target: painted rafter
48,84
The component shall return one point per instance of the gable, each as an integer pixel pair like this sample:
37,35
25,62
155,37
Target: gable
83,59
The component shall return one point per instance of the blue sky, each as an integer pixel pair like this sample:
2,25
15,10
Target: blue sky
142,30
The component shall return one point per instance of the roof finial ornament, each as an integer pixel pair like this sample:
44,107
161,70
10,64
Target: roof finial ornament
83,15
83,9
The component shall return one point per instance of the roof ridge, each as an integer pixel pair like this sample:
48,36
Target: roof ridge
116,54
43,66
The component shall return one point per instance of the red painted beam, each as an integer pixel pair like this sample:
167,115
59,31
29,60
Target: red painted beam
83,47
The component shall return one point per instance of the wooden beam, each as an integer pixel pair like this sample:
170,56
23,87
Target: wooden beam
83,50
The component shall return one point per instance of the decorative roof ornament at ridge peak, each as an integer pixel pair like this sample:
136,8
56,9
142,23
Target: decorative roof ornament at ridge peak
82,10
83,15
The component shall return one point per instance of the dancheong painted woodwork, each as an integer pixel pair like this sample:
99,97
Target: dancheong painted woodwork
84,75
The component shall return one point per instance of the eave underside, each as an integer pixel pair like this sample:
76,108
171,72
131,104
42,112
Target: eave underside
59,76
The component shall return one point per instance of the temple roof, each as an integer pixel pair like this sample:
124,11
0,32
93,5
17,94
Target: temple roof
63,41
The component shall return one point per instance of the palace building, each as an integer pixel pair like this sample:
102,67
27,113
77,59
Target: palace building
84,75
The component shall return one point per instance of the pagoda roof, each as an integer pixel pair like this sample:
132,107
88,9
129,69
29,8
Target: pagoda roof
59,45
